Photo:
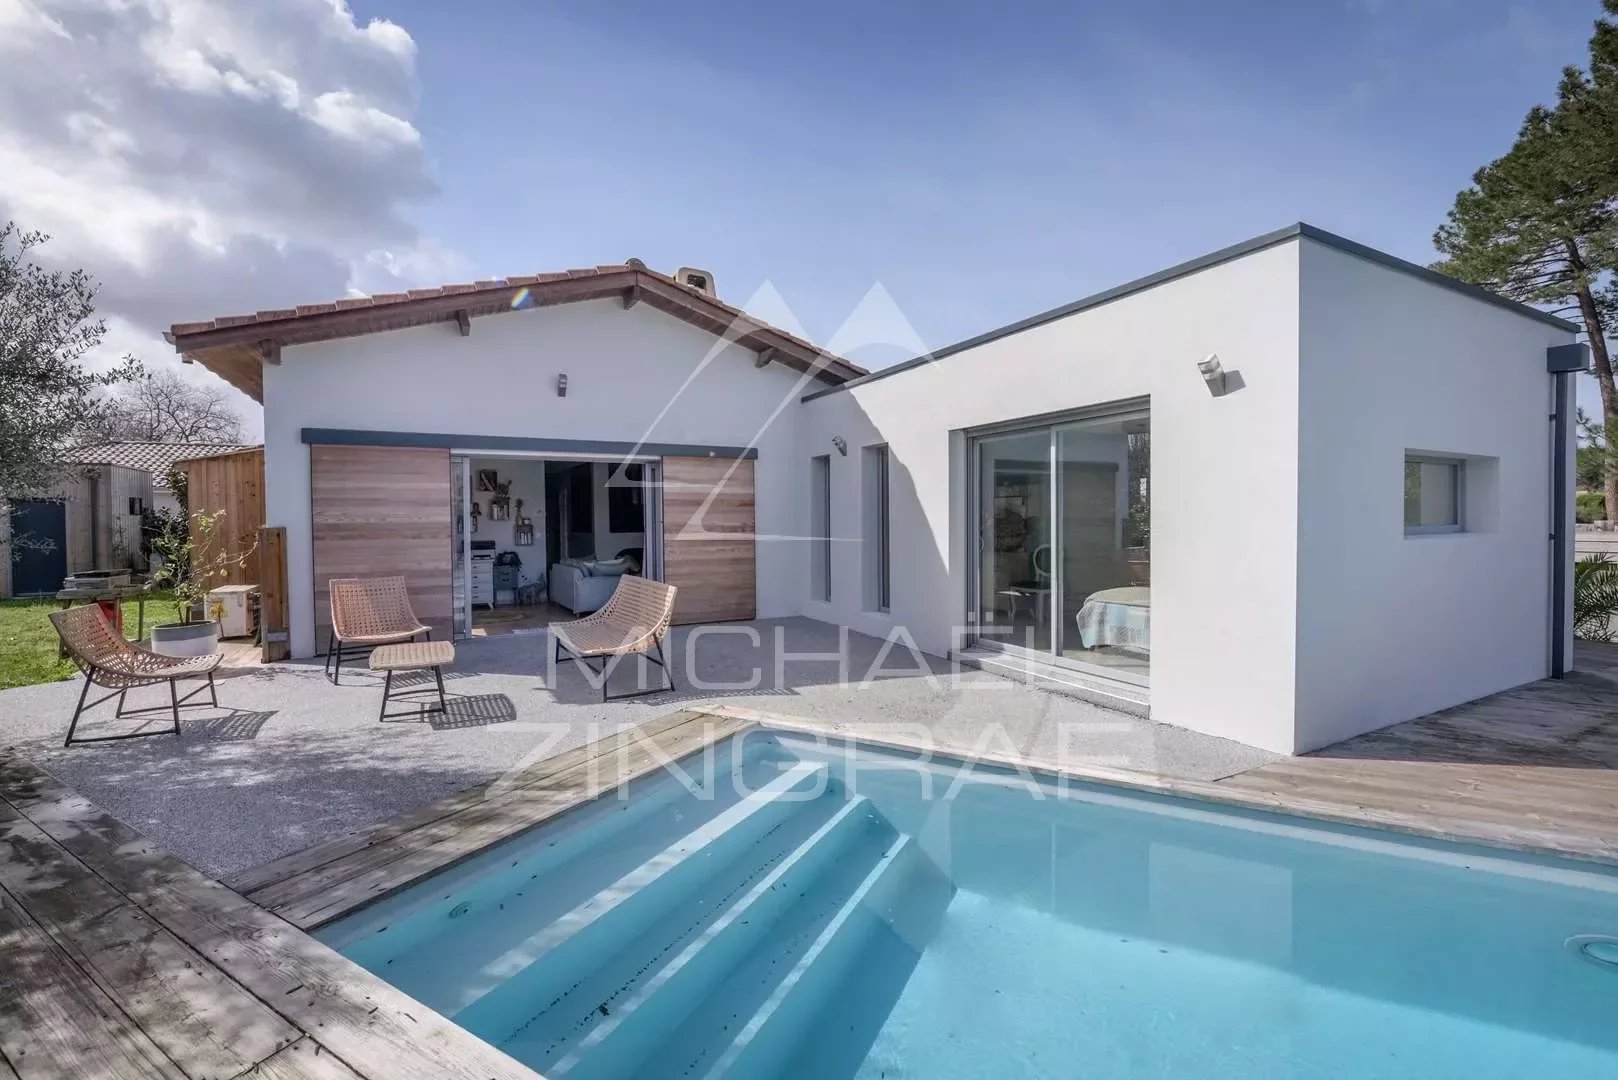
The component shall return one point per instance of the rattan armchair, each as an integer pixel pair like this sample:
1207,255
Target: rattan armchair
365,613
109,661
634,619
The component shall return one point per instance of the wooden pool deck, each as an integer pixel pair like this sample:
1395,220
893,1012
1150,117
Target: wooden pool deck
1535,768
118,959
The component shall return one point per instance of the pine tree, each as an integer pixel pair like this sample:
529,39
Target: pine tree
1540,224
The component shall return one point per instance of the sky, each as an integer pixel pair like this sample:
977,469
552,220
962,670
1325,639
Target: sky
956,165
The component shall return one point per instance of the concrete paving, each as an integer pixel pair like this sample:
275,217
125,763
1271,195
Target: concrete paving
290,760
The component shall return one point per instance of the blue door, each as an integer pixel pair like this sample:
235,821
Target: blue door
39,563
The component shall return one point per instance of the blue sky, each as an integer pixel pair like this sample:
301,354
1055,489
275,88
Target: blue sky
981,161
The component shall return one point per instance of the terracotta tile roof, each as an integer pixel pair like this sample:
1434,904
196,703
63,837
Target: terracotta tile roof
156,458
232,345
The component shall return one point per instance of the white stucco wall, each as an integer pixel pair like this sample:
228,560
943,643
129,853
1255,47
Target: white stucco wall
1392,627
1224,479
631,375
1289,609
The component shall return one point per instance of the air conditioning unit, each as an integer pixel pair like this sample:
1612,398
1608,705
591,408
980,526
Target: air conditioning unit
700,280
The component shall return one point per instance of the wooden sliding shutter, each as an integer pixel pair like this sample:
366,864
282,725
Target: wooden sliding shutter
708,538
381,511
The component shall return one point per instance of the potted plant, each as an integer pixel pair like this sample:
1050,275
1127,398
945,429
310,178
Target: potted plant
191,566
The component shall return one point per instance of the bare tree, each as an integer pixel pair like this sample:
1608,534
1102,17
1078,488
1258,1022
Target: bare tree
163,407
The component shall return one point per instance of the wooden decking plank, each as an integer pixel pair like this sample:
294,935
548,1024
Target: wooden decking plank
413,856
55,1023
249,882
381,1033
1535,767
203,1021
305,1059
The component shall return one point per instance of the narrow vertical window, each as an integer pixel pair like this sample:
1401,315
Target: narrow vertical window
820,527
877,531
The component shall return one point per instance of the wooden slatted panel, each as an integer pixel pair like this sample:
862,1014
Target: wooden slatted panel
272,593
380,511
231,484
708,538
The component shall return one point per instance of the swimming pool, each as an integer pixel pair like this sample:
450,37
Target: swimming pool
802,909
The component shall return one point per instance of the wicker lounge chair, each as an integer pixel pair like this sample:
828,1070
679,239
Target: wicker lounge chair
109,661
634,620
365,613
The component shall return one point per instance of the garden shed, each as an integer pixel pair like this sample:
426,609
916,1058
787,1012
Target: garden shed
91,521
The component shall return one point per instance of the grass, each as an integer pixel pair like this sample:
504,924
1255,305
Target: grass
28,642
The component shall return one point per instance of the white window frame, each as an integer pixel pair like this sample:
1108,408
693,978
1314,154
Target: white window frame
1458,465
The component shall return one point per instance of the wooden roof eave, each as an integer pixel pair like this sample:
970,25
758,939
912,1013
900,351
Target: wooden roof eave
237,352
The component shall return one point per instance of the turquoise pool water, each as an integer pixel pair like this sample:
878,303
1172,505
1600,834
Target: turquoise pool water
798,910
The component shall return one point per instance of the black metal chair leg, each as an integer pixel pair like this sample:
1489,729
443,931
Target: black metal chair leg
443,706
337,667
331,639
73,725
664,664
174,700
213,691
387,688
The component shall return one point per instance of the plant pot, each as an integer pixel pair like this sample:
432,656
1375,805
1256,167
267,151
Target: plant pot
186,639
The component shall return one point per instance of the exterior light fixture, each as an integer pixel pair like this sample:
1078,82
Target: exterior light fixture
1213,373
561,385
841,444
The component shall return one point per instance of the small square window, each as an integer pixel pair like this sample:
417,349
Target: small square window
1433,494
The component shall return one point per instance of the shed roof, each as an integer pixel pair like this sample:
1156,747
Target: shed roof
156,458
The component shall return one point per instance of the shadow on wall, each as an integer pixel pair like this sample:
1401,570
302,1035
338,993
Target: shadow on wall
921,588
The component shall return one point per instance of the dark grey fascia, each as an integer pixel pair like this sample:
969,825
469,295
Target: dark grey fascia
1301,230
1565,358
495,444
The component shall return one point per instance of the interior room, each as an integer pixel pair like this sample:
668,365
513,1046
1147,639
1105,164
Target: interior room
1065,514
544,539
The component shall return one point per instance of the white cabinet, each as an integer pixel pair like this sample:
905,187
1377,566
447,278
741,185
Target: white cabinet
483,582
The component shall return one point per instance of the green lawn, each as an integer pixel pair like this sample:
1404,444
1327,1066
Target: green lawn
28,643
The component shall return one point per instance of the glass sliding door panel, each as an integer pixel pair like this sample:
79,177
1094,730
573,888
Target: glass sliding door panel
1103,527
1016,561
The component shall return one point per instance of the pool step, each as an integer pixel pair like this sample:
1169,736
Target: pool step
592,825
509,896
639,1023
904,886
529,977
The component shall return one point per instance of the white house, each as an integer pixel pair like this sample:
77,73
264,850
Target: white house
1284,493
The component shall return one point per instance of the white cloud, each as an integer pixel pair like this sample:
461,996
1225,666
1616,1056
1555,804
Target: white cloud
205,158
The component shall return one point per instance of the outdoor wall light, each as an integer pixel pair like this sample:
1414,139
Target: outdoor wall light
561,385
1213,373
841,444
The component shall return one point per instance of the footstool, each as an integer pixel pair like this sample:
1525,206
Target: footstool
412,656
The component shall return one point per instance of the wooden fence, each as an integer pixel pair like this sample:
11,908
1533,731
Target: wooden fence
231,484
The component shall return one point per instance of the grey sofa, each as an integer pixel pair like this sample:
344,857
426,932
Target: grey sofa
577,588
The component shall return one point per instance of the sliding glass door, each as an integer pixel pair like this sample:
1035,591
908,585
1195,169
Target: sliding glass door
1015,580
1063,519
